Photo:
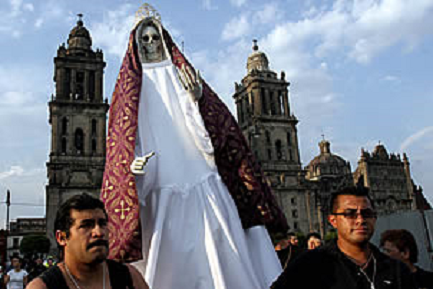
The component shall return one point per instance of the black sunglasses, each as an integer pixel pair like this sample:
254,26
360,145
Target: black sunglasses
353,214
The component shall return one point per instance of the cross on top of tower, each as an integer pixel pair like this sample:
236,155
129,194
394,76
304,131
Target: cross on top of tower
80,19
255,46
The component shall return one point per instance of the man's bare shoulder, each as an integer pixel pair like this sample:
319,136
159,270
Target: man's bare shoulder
137,278
36,283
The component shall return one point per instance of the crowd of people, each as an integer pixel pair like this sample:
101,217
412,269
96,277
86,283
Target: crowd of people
22,271
350,261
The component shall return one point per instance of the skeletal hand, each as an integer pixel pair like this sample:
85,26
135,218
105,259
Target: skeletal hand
192,82
137,166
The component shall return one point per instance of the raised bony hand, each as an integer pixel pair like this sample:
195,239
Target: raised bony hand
192,82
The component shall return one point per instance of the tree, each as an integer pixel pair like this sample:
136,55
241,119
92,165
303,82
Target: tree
34,244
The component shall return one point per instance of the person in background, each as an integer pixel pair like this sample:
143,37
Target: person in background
293,239
37,269
313,241
287,249
401,245
49,262
17,277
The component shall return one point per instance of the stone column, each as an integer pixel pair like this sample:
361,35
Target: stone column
60,83
286,104
54,136
277,101
257,101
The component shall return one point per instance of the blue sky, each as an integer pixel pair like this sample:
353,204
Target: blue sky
360,72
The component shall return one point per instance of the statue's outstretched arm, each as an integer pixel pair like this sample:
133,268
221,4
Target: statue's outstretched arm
137,166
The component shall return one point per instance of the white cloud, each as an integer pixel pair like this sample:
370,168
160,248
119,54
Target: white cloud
238,3
249,21
236,28
13,171
39,22
29,7
111,34
14,21
391,78
362,29
415,137
208,5
270,12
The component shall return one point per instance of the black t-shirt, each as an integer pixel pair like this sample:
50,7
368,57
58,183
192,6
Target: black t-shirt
423,279
120,278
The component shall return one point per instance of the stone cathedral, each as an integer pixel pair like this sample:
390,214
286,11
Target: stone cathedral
269,125
77,115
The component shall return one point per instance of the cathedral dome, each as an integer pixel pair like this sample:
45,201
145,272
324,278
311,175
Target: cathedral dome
257,60
79,37
327,164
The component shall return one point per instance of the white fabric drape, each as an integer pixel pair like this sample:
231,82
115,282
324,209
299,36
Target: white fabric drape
192,234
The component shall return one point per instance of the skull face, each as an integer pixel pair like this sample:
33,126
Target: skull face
152,44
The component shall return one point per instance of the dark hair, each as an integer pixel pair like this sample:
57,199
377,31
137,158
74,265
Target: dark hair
80,202
291,234
313,235
359,191
16,256
403,240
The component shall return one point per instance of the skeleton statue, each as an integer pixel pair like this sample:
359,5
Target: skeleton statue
151,50
177,139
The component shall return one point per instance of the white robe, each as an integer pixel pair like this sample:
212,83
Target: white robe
191,230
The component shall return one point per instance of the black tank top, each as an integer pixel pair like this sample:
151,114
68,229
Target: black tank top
120,278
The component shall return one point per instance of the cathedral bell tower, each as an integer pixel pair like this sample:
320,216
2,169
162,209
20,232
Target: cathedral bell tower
262,101
78,123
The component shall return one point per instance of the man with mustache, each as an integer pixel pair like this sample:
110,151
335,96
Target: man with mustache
351,261
82,236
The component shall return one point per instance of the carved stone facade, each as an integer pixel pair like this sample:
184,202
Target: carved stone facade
389,180
77,117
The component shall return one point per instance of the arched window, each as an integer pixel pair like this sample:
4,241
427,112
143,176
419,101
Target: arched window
79,88
93,146
269,154
64,126
289,139
79,141
268,137
278,149
94,126
64,145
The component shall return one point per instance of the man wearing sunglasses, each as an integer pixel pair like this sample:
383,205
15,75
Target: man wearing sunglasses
351,261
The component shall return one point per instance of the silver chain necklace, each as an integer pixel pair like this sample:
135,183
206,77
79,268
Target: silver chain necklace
76,282
371,281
